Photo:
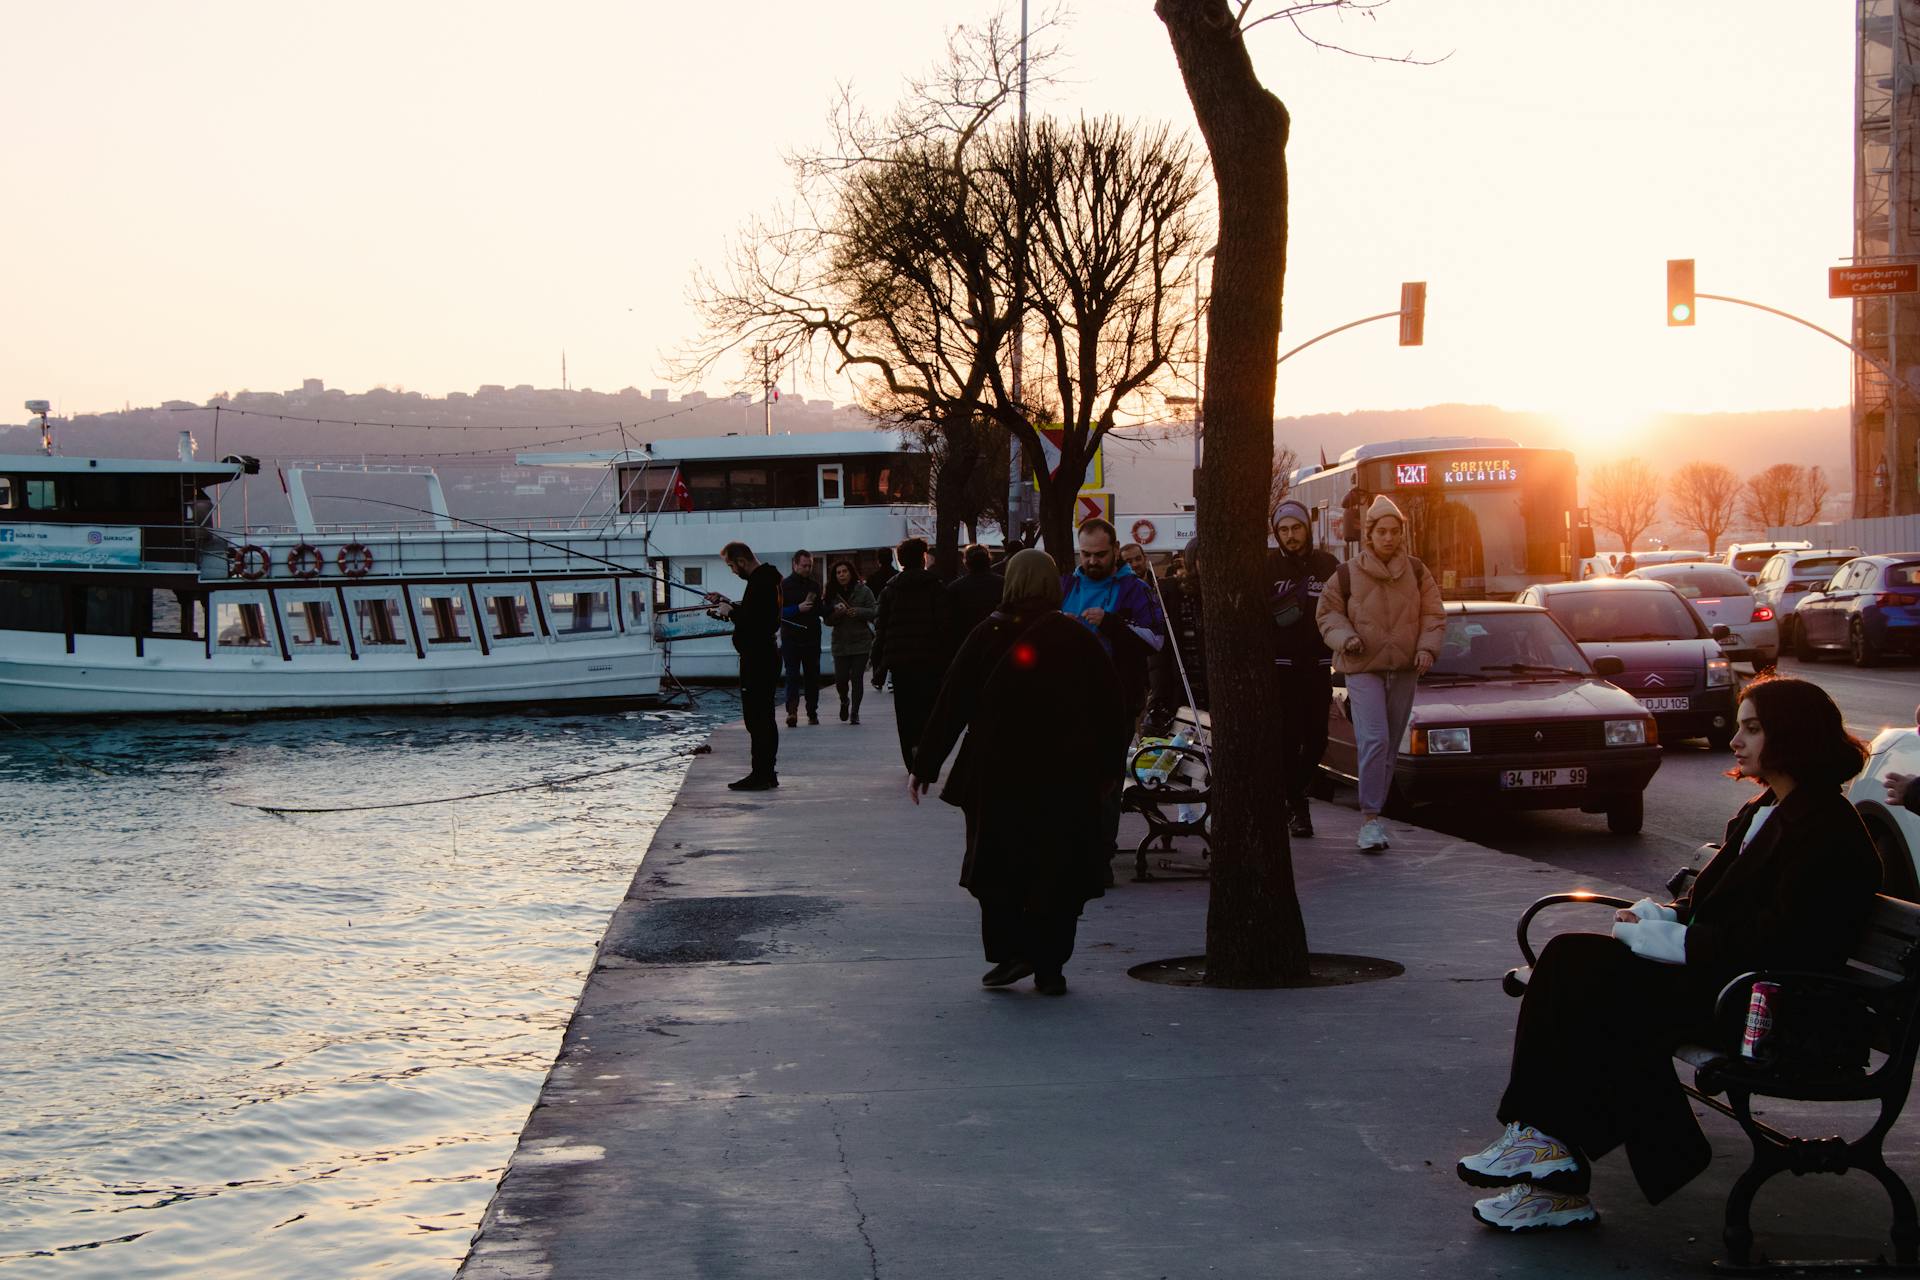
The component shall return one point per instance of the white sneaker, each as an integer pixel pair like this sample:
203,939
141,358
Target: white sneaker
1373,836
1525,1208
1523,1154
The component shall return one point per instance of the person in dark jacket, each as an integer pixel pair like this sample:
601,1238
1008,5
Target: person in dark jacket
971,596
1302,662
1790,888
1046,734
756,618
850,609
1180,677
883,574
800,615
910,642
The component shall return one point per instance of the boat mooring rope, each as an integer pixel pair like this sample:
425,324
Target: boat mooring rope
565,780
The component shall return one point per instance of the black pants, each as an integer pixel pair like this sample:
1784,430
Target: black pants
802,659
850,679
1306,694
914,693
1593,1056
759,679
1043,937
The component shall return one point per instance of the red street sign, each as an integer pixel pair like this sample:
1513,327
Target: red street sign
1873,282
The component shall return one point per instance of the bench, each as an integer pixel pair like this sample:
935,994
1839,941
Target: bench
1878,993
1159,788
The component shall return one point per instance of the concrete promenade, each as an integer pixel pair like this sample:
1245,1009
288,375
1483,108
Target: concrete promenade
783,1065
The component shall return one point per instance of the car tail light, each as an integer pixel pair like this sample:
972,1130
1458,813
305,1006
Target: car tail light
1761,613
1894,599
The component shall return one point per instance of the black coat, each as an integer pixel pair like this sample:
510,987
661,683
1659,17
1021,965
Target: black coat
1046,735
756,622
970,598
1294,599
911,634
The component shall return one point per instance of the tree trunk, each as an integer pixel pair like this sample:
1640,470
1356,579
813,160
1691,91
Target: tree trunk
949,497
1255,933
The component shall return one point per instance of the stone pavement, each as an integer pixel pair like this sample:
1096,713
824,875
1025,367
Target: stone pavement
783,1064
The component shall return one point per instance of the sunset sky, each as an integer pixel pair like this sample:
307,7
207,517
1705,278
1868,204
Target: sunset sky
216,196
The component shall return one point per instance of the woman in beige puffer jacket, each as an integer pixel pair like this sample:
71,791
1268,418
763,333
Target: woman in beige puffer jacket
1382,618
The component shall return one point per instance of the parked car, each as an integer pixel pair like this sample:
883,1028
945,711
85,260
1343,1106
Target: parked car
1719,595
1668,556
1748,558
1787,577
1895,831
1513,714
1672,658
1870,608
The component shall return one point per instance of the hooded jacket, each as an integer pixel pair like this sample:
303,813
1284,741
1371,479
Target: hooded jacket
1294,599
1134,627
1393,606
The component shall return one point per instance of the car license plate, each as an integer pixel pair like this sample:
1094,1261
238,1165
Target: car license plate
1573,777
1666,704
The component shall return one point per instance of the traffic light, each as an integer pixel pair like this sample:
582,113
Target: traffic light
1413,312
1679,291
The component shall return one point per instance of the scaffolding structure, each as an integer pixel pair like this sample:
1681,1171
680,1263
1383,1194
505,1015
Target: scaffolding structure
1886,208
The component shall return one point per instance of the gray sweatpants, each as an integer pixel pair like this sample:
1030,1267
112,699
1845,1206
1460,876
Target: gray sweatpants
1380,702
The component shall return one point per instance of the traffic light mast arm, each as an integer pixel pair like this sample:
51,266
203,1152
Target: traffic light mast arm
1384,315
1885,372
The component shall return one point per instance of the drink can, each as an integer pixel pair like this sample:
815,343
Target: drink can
1759,1018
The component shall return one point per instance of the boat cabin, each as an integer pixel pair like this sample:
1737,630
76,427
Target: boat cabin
756,473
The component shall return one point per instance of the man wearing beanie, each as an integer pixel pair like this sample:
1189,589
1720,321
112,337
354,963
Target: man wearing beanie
1381,615
1303,665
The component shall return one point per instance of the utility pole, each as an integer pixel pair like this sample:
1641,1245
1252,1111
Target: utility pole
1016,473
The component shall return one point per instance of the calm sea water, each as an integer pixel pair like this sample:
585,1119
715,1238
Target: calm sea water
236,1044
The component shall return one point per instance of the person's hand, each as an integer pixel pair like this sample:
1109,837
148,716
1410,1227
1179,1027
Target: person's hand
915,788
714,597
1421,662
1354,645
1896,785
806,606
1623,916
1094,617
722,610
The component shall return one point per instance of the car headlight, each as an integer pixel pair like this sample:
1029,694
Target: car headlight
1719,673
1443,742
1626,733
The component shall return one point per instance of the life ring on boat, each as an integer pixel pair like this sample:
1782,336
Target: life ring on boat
355,560
1144,533
248,562
305,561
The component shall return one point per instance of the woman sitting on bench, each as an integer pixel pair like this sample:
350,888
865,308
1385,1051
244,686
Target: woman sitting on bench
1592,1055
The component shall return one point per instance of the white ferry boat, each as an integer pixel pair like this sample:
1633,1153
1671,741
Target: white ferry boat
837,494
118,594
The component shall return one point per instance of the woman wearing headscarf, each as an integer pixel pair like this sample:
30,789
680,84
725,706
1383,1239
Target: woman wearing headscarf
1046,736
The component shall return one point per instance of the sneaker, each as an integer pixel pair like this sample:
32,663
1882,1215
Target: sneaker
1006,973
813,717
1525,1208
855,719
1373,836
1051,984
843,711
1523,1154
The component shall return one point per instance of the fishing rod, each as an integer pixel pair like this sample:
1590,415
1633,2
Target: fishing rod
539,542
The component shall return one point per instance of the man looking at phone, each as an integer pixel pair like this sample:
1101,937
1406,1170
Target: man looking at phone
800,638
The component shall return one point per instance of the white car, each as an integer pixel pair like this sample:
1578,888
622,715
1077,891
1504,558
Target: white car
1895,830
1722,598
1748,558
1789,575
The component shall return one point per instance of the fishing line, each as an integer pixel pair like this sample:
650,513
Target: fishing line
70,759
280,810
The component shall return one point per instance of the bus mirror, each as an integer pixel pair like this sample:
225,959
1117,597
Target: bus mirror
1583,540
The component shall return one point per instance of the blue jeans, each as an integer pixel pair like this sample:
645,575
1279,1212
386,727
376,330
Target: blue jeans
1381,703
802,660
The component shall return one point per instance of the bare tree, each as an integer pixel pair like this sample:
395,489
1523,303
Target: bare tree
1701,496
1784,494
1624,499
1285,460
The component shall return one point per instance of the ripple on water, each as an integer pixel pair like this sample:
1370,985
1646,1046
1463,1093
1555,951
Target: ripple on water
297,1045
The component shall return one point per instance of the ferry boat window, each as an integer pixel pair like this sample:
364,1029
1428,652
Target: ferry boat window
311,624
443,619
176,617
747,488
694,575
708,489
509,616
574,613
645,490
377,621
636,606
43,495
239,624
114,611
6,494
31,606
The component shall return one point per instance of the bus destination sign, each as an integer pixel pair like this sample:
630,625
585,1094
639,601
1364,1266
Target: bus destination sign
1466,471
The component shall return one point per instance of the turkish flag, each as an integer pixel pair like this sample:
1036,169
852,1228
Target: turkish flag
681,497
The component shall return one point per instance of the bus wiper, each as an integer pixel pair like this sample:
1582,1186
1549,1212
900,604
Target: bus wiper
1534,669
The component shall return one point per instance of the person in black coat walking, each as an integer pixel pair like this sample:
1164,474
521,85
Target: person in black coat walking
910,641
971,596
756,618
800,615
1790,888
1046,735
1302,662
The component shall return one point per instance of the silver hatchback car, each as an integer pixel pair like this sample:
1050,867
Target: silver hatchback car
1722,598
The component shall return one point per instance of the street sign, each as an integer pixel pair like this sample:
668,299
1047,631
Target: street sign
1873,282
1093,506
1050,438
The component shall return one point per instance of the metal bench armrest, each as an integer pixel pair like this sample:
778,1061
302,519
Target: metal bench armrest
1554,900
